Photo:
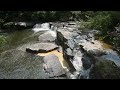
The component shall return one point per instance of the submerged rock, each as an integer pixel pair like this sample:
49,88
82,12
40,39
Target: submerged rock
41,47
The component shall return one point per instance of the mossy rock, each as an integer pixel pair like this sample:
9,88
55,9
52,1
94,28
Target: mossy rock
105,69
16,64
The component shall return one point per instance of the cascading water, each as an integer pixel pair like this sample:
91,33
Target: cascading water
41,27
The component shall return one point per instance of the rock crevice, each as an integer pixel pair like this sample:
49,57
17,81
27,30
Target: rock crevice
82,52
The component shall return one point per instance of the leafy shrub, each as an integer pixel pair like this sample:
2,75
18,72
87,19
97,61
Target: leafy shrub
101,21
2,40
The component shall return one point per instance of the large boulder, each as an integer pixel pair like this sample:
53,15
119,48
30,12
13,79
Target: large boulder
53,66
87,61
41,47
105,69
65,34
66,39
16,64
48,36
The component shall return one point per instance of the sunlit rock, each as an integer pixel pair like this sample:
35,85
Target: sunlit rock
52,66
16,64
41,47
48,36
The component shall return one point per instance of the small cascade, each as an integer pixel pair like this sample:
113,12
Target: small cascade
41,27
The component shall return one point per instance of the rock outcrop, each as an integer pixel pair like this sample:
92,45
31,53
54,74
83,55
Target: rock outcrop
18,25
80,50
84,55
16,64
41,47
105,69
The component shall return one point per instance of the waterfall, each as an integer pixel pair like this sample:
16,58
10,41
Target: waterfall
41,27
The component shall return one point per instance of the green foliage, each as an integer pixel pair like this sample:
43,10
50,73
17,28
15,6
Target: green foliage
105,21
102,21
40,16
2,40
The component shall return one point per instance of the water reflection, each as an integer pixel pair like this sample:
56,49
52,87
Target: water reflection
113,57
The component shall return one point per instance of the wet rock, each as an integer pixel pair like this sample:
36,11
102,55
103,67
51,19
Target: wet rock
113,56
24,24
17,25
49,36
52,66
16,64
105,69
8,25
80,49
87,61
97,52
41,47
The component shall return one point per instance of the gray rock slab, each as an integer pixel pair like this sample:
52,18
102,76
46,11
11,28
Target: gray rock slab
53,66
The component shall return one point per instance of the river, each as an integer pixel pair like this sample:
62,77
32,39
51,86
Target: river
19,38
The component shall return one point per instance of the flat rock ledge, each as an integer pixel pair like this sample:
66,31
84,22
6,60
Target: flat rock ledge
41,47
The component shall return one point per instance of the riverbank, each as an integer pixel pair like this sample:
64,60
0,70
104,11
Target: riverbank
59,51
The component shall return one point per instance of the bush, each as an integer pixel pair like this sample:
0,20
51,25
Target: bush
102,21
2,40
